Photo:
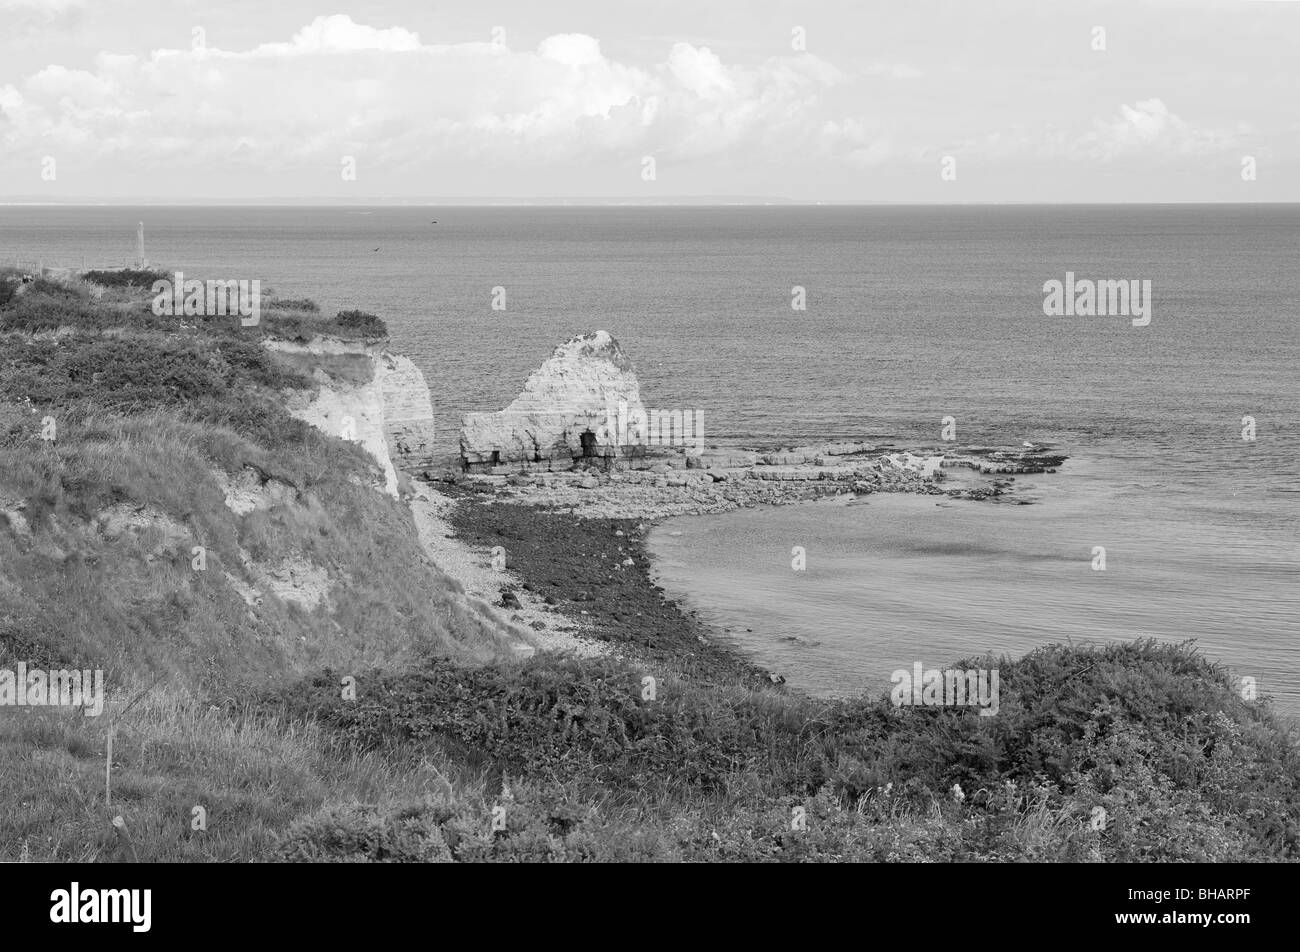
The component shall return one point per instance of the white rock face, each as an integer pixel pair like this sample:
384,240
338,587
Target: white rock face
559,415
351,413
408,411
391,415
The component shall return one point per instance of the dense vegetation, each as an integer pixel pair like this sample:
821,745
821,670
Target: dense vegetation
454,749
127,278
1152,735
303,326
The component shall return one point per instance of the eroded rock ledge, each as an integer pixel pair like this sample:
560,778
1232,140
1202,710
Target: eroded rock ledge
720,480
579,436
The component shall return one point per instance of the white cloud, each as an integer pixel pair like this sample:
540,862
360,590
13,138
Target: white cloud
339,87
338,34
894,70
571,49
861,147
42,6
1149,128
1146,130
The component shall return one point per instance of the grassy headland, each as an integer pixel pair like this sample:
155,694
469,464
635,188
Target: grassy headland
454,748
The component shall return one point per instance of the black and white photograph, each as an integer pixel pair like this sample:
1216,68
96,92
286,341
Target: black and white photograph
725,431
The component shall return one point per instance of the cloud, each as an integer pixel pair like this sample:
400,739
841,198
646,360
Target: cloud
858,145
338,87
1148,130
23,16
41,6
338,34
894,70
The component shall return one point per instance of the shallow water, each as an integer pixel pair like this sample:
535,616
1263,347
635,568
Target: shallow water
893,579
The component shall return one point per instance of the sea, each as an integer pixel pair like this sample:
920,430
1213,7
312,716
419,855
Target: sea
1183,435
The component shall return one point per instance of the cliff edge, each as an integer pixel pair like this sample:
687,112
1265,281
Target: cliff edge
368,395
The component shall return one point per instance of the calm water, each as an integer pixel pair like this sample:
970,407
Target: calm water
897,579
913,314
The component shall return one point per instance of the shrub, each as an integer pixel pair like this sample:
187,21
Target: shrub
126,278
292,304
301,327
38,310
359,833
361,324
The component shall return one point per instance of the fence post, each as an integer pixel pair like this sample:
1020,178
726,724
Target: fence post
108,768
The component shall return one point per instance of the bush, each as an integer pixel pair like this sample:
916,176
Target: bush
300,327
292,304
126,278
47,307
361,324
358,833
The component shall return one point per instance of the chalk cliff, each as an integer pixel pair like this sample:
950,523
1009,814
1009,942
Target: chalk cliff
562,415
370,396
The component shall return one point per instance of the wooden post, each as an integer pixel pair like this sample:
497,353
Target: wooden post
108,769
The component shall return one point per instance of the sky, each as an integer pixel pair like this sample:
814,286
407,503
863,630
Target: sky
651,100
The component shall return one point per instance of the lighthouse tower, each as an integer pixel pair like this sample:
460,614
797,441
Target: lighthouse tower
141,262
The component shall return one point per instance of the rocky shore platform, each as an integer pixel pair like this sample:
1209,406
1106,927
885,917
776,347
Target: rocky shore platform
721,480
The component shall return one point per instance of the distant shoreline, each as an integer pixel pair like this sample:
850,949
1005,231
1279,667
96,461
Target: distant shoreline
680,202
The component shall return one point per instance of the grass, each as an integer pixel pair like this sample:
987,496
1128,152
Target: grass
172,753
453,749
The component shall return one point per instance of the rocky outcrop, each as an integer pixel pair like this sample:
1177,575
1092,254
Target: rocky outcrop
369,396
567,413
720,480
250,490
